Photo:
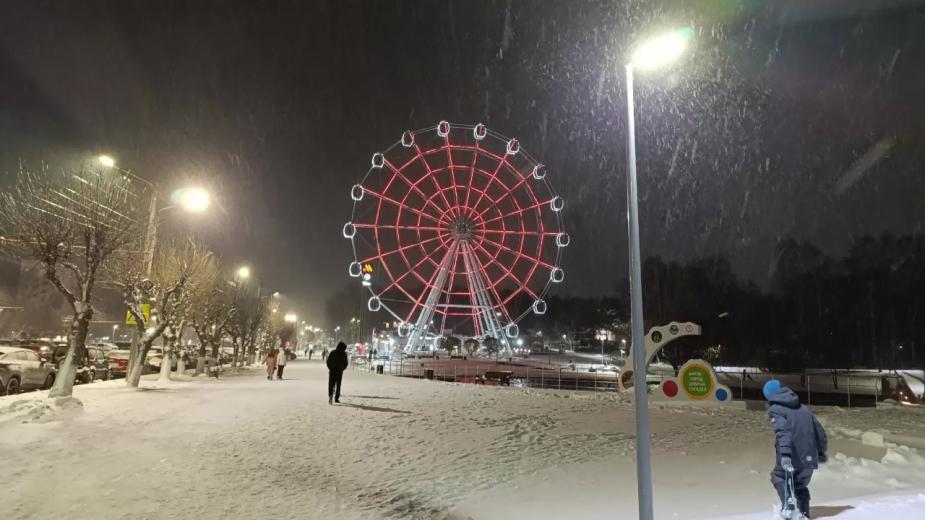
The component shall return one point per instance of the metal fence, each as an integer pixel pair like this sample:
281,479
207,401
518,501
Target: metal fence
502,374
819,387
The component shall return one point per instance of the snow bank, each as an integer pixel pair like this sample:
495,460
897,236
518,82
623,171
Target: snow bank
38,408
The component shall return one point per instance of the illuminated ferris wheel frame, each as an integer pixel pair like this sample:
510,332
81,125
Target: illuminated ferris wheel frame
456,223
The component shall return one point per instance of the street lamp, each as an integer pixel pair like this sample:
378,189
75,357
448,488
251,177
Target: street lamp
653,54
106,161
114,329
244,272
194,200
290,317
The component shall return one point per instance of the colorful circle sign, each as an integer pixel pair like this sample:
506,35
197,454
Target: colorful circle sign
721,395
697,381
670,388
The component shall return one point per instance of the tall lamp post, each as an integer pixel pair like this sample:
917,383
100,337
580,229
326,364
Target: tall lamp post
653,54
194,200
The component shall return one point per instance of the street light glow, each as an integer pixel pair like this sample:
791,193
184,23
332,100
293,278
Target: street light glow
195,199
662,50
106,161
291,318
244,272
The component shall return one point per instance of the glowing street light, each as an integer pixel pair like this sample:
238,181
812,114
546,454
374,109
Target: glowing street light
195,200
106,161
662,50
244,272
290,317
655,53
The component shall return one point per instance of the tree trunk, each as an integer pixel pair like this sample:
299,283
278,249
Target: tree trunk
135,372
134,351
201,358
80,325
166,364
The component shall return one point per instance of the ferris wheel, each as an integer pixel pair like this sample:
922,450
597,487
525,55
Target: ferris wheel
456,230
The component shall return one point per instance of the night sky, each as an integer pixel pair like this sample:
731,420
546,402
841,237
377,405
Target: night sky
800,118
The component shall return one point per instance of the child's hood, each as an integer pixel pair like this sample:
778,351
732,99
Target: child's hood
785,397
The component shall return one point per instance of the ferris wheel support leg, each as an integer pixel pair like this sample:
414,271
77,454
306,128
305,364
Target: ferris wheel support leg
486,310
430,304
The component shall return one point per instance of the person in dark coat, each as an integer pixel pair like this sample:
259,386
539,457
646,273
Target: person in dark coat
337,363
800,442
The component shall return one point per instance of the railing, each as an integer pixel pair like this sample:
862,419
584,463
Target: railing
521,376
854,388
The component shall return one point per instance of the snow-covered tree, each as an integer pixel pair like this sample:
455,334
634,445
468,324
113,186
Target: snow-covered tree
212,306
491,345
252,311
72,222
450,344
175,270
471,345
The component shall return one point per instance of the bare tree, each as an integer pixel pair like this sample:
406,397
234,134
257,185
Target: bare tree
252,310
212,307
281,331
471,345
174,270
490,343
450,344
72,222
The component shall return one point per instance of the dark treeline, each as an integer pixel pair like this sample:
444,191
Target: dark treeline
866,309
863,310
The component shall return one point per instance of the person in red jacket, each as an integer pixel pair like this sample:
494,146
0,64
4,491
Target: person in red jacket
271,363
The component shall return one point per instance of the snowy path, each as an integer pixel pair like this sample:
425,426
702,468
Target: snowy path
244,447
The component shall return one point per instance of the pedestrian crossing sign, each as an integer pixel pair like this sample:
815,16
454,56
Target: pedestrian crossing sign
145,311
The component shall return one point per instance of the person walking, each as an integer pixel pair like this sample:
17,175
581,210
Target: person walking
281,360
311,350
337,363
324,354
271,363
800,444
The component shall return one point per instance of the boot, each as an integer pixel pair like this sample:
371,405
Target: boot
330,399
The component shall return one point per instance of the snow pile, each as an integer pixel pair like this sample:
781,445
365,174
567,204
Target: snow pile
900,468
39,409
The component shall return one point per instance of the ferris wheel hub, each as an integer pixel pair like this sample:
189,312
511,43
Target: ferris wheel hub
462,229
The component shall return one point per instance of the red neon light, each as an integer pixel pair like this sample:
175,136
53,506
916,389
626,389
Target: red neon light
420,205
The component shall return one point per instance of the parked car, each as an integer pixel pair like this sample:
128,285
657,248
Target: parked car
118,362
156,356
42,348
98,363
86,371
22,369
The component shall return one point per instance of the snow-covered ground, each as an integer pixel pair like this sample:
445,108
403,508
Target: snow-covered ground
245,447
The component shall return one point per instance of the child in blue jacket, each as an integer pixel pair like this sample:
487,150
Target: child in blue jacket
800,442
